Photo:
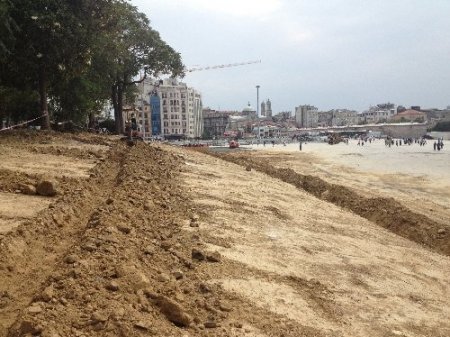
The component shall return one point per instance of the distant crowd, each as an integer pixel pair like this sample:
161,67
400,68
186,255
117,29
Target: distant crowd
438,145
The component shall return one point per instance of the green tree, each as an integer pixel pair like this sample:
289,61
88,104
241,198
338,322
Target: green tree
8,28
130,47
80,53
52,43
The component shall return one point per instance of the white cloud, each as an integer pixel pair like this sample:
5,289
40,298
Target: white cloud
293,33
252,9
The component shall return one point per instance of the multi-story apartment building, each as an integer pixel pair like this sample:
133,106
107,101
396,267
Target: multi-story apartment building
341,117
306,116
215,122
379,113
325,118
176,109
141,108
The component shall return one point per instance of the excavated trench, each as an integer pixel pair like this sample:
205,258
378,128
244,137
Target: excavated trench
385,212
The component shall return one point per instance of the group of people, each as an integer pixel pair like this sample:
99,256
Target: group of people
439,145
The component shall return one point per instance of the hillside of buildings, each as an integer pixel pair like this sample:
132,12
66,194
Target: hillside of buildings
98,238
170,109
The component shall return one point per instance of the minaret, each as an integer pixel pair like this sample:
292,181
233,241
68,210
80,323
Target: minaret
268,108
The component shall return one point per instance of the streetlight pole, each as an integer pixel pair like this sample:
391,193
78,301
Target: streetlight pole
257,111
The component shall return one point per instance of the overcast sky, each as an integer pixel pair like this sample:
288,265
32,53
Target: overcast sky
327,53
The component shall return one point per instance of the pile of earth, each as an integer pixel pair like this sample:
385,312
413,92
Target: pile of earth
386,212
109,256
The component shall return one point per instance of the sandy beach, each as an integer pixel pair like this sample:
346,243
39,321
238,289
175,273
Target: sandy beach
416,175
314,264
375,157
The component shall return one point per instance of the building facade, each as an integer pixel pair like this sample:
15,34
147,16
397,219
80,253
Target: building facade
175,110
306,116
380,113
410,116
215,123
341,117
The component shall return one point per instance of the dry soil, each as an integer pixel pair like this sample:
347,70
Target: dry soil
162,241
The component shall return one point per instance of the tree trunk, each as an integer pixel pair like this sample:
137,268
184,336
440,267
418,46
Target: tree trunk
43,97
120,107
115,107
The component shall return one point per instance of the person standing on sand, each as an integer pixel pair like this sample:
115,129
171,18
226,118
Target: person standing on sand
434,146
300,146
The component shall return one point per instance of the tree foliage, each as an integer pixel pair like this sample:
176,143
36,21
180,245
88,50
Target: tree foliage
8,28
76,54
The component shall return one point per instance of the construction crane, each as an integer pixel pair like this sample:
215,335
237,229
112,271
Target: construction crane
220,66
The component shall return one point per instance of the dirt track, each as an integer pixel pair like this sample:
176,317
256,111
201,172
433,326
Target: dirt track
156,240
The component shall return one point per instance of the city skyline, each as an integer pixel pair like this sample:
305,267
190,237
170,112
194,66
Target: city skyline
342,54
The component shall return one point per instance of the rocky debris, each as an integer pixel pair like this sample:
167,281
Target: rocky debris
248,168
178,274
441,231
124,228
149,205
46,188
225,307
113,286
149,250
89,246
174,311
98,316
142,325
125,272
166,245
204,288
198,255
71,259
213,257
163,277
193,223
210,325
26,328
35,308
47,294
28,189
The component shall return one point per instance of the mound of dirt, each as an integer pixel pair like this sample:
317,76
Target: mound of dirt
122,251
385,212
109,258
